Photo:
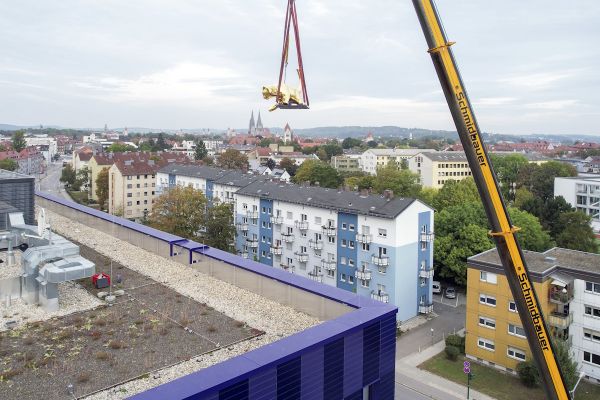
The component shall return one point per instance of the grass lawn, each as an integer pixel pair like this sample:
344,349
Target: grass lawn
495,383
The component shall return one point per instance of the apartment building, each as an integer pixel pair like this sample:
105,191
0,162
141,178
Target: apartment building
583,193
376,246
437,168
215,183
346,162
567,284
373,159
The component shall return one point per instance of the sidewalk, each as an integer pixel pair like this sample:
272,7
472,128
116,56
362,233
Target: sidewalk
428,384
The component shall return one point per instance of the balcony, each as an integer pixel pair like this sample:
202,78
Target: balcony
315,244
559,320
252,214
329,265
288,267
243,254
427,237
252,243
276,250
316,276
328,230
276,220
382,261
302,225
229,200
425,308
364,238
364,274
301,257
380,295
287,237
426,273
241,227
560,296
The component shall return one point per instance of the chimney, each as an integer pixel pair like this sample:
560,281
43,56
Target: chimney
388,194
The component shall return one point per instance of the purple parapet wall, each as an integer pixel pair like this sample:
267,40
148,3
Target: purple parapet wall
361,342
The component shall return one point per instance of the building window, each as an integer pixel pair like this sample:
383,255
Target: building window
486,344
382,232
364,283
381,269
351,227
594,336
344,226
591,358
488,300
331,239
330,273
366,247
129,186
343,260
351,244
350,279
515,353
593,311
344,243
487,322
129,177
592,287
512,306
290,215
129,203
318,220
351,262
488,277
343,277
264,210
516,330
129,195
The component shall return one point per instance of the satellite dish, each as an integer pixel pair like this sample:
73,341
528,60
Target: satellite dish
42,224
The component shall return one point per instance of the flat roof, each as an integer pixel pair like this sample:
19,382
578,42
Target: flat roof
446,156
11,175
350,202
541,264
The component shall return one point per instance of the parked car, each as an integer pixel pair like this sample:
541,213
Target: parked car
450,293
436,287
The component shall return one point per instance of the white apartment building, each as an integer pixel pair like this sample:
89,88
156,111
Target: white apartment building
436,168
45,144
372,245
372,159
583,193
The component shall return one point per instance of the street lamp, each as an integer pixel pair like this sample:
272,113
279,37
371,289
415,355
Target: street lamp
432,336
581,375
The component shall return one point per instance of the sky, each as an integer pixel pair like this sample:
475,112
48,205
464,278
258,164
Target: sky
529,66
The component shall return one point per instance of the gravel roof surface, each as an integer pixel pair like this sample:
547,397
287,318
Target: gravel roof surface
239,304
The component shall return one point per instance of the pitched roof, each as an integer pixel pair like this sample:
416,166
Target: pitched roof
141,163
194,171
350,202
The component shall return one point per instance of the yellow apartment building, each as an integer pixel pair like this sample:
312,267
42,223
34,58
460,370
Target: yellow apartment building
567,284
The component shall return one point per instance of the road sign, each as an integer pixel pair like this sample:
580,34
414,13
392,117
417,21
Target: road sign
466,364
467,370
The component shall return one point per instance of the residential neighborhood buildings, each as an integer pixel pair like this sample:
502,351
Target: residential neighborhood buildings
373,159
582,193
437,168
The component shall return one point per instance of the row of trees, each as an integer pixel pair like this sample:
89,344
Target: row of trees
184,211
74,180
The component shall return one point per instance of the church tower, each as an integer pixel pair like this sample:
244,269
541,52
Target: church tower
288,135
259,125
252,127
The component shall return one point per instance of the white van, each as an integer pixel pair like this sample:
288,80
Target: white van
436,287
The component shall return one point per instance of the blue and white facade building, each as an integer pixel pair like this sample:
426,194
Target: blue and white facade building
376,246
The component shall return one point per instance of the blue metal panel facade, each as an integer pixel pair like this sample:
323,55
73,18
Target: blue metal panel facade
209,190
172,180
425,257
265,232
346,253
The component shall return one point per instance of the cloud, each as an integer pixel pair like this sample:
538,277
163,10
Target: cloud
552,104
378,104
494,101
538,80
181,82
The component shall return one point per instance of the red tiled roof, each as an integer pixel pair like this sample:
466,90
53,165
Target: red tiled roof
141,163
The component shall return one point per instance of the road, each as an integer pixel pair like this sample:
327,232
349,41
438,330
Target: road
449,320
50,182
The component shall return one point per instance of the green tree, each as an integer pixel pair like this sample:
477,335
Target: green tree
102,187
289,165
18,141
522,197
529,373
200,152
161,143
577,233
403,183
68,175
332,149
427,195
314,171
271,164
82,178
322,154
531,236
539,179
9,164
232,159
119,148
455,193
360,182
3,147
549,212
507,170
220,231
180,211
349,143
